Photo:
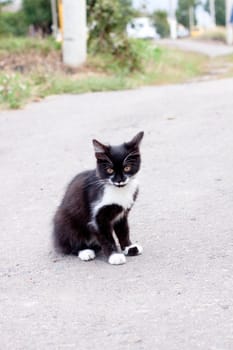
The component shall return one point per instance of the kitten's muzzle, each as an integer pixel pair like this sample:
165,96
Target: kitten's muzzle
120,184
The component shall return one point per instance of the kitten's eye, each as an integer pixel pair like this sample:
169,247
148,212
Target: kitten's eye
110,171
127,168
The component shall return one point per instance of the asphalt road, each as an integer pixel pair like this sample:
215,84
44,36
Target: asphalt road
210,49
178,295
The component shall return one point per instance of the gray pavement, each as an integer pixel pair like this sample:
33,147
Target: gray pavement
210,49
178,295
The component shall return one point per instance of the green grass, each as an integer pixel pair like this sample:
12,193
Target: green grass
33,69
169,66
61,85
15,90
216,34
15,45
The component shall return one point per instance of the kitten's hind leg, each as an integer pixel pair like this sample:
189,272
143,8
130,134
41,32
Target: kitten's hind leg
70,238
89,252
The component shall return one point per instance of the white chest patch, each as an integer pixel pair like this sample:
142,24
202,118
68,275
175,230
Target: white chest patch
123,196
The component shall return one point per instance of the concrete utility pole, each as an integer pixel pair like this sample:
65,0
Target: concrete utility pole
212,12
54,18
74,32
172,20
229,25
191,18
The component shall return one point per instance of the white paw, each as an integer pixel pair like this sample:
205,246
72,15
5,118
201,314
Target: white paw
136,249
117,259
86,254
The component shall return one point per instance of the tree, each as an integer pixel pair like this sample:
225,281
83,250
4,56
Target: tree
107,19
159,19
13,23
220,11
38,13
183,12
3,3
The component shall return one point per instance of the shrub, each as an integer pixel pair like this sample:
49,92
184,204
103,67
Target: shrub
13,23
182,12
38,13
220,11
105,17
13,90
215,34
160,21
107,21
131,56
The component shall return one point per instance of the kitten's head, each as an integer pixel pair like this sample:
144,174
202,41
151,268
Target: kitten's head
118,164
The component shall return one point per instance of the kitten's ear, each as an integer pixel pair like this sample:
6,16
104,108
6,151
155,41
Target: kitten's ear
100,150
99,147
135,142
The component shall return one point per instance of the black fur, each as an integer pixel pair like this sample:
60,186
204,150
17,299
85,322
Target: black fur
74,229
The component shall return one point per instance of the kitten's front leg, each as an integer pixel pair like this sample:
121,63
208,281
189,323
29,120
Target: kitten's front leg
105,238
121,229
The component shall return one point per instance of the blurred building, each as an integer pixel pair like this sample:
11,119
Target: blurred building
14,6
204,19
152,5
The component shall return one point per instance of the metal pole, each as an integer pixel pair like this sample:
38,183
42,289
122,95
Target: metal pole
74,32
229,26
212,12
54,18
60,16
191,18
172,20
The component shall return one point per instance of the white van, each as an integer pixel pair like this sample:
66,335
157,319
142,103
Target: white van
141,28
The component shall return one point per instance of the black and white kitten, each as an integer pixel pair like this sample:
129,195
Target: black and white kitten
97,202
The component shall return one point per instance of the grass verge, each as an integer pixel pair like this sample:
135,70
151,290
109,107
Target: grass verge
31,69
217,34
